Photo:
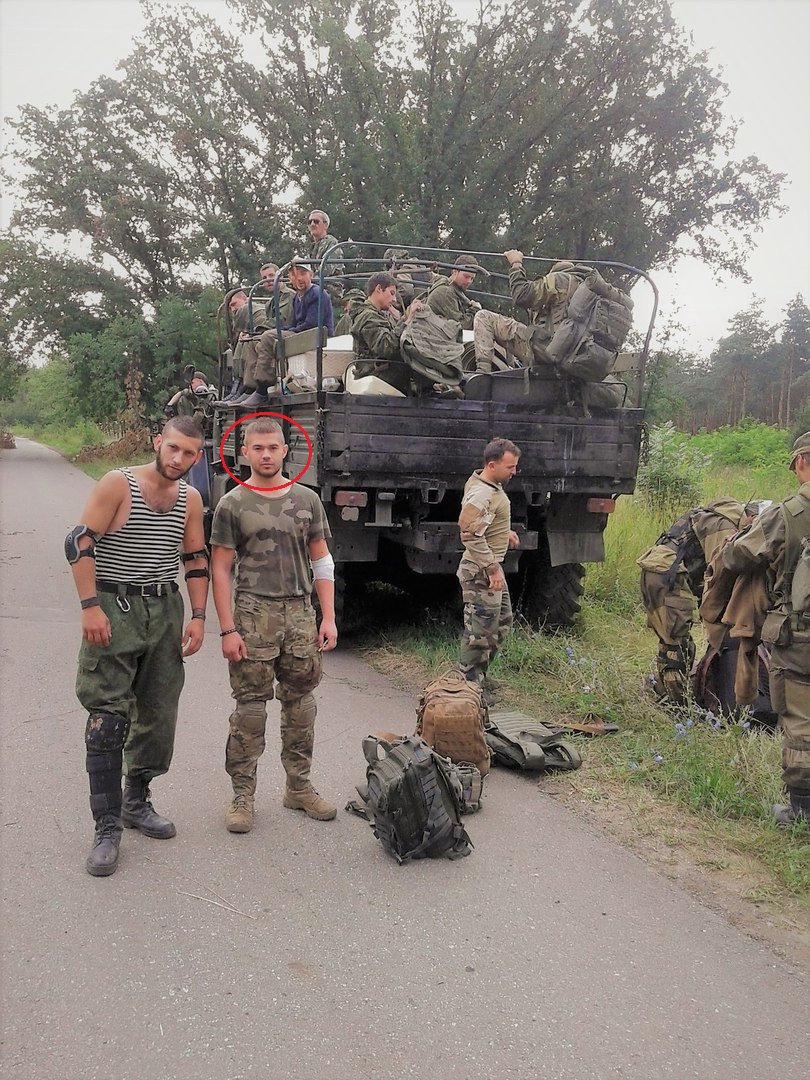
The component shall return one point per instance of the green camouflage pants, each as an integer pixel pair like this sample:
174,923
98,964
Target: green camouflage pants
281,640
790,698
487,621
261,364
138,676
670,614
490,328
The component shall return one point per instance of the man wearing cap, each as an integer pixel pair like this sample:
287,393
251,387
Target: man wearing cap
304,316
193,400
448,297
321,240
779,539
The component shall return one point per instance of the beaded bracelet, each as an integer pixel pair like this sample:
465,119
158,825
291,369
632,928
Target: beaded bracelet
225,633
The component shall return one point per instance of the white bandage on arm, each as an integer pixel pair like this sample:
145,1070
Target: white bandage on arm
323,568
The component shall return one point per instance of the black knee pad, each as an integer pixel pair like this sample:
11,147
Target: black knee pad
105,733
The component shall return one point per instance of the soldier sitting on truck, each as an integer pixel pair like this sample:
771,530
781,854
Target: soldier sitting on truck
263,377
193,400
377,328
239,353
268,273
448,296
546,299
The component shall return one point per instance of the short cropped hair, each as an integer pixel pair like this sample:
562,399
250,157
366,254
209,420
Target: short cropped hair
323,214
381,278
269,266
496,449
185,425
263,425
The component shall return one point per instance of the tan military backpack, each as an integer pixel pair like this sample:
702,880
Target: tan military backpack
451,716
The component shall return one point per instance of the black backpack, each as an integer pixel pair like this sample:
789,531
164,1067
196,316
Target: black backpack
413,800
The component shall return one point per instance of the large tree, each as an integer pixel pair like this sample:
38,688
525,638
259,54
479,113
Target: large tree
591,129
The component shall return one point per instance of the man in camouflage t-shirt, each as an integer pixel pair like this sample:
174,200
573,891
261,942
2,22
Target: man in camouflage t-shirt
278,535
485,524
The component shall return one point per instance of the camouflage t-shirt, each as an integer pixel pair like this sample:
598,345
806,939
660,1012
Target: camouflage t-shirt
270,538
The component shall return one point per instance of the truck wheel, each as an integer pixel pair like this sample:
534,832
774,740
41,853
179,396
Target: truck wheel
549,598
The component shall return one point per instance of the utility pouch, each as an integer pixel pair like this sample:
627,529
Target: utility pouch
776,629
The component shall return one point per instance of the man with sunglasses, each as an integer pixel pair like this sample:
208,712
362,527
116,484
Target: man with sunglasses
321,241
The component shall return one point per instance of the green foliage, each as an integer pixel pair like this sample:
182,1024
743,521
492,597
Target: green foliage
669,478
750,443
44,397
67,440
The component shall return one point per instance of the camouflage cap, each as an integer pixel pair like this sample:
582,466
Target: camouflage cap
200,375
564,266
468,263
395,254
800,446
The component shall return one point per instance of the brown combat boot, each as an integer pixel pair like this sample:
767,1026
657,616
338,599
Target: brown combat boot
311,803
239,815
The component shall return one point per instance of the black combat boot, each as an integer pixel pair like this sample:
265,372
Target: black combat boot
797,810
138,813
103,858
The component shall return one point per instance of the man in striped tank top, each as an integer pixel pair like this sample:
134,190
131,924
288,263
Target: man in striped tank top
125,556
277,532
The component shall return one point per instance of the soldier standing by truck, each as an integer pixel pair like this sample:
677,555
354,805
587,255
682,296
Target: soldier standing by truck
672,572
278,531
485,524
779,539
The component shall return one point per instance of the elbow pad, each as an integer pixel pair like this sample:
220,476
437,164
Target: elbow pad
72,550
324,568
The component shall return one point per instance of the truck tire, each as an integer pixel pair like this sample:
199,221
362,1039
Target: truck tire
549,595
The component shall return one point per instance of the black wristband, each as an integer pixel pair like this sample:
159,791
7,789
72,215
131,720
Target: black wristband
198,613
232,630
91,601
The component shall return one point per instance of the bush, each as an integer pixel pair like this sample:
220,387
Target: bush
750,443
669,481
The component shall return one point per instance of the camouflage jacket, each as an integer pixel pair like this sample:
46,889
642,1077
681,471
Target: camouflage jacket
546,299
285,302
376,333
451,302
484,522
763,544
317,250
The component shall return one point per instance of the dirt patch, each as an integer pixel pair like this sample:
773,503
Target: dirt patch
685,848
131,443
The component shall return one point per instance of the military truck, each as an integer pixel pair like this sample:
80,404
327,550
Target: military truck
390,470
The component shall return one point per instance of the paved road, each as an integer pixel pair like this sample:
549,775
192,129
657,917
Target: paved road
550,952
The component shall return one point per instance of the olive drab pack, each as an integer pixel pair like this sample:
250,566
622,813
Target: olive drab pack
587,341
451,717
688,537
414,800
519,742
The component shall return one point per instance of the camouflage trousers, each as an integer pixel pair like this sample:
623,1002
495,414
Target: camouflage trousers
487,621
261,363
489,329
670,614
790,698
283,661
137,678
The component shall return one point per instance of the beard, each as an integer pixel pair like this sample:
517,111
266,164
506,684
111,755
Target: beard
162,471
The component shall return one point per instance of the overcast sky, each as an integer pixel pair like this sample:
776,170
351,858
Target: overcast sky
51,48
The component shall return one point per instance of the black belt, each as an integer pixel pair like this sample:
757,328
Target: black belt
158,588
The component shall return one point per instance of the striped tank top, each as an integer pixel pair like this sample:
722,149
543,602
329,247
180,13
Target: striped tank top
146,549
